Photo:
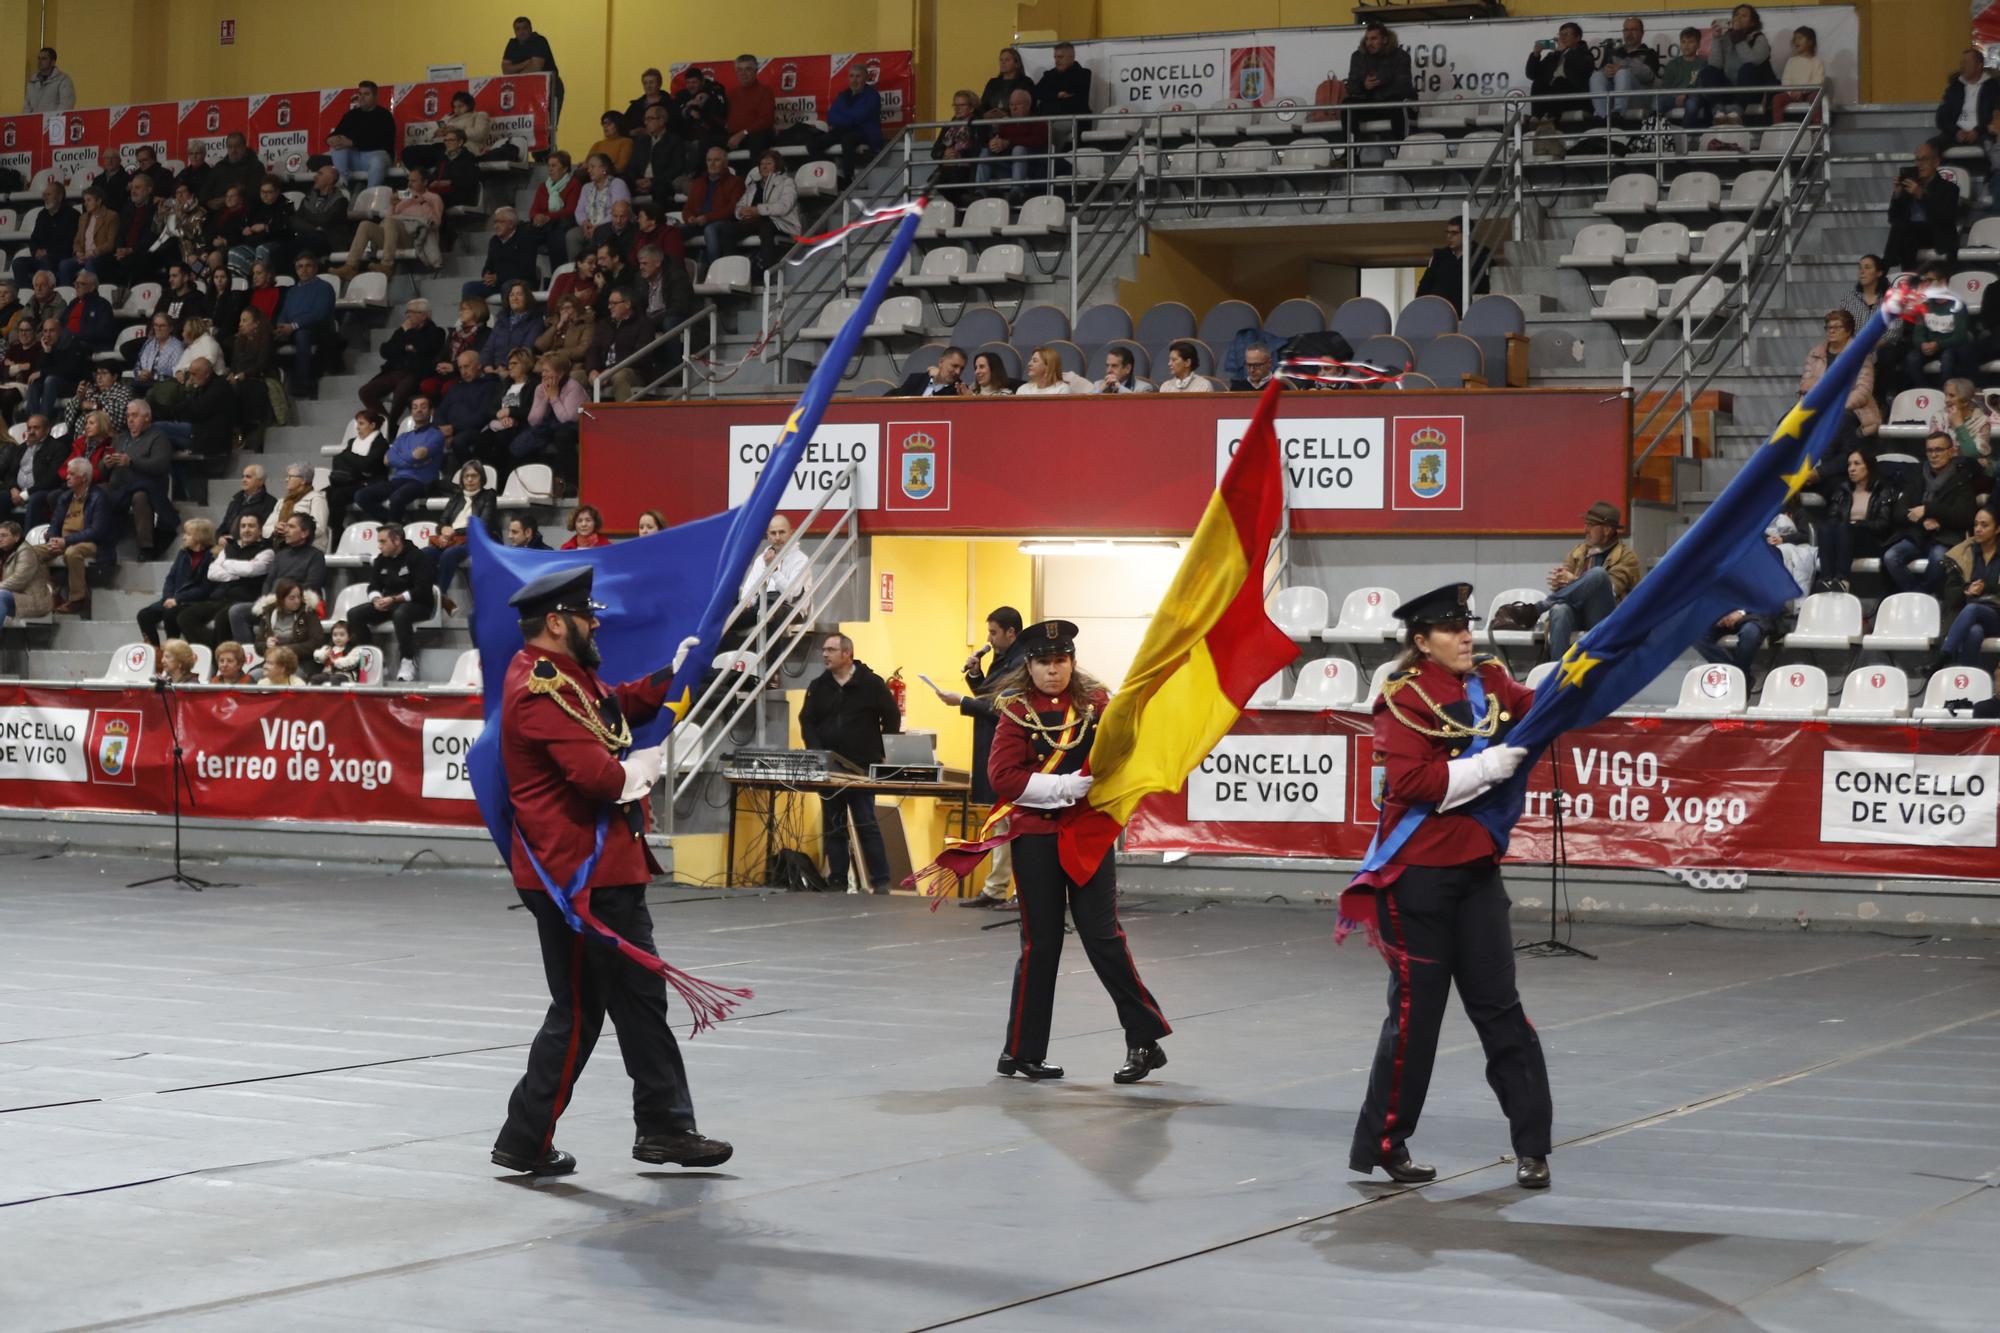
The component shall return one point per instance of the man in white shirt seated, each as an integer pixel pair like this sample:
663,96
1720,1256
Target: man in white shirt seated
1118,376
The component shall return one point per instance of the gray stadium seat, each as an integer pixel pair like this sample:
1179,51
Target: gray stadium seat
1449,358
1164,323
980,324
1225,320
1040,324
1296,316
1426,318
1102,324
1359,319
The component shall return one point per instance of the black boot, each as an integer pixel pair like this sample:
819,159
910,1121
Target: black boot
1139,1062
554,1162
1033,1069
681,1148
1402,1170
1532,1173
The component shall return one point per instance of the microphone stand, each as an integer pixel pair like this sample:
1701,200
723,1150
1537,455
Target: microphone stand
1558,872
180,879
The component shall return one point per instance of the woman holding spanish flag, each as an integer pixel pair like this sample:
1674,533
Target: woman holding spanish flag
1429,893
1047,711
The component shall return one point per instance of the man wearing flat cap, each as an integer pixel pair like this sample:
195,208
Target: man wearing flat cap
579,792
1590,582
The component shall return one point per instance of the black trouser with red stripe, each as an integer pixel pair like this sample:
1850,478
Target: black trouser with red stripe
1450,922
587,980
1042,888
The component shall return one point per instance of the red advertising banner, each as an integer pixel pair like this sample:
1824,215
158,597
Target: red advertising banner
285,129
342,756
1526,461
209,122
1640,792
149,124
23,144
76,141
805,86
519,105
802,86
420,106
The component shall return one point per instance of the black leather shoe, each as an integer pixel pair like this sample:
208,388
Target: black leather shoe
684,1148
982,900
1139,1062
1403,1171
554,1162
1532,1173
1035,1069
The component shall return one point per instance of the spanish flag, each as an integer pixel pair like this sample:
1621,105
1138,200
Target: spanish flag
1209,647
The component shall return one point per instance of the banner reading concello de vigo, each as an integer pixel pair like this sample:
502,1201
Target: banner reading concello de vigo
1524,461
339,756
1641,793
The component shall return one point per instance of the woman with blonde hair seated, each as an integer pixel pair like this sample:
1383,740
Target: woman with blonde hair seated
176,662
1047,376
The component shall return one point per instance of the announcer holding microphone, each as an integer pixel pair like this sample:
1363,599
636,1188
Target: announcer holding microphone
1003,640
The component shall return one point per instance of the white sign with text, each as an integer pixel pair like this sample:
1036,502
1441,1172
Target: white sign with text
447,742
830,454
1330,462
1271,780
44,744
1915,800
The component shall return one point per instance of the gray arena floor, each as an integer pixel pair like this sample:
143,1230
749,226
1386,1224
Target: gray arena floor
269,1108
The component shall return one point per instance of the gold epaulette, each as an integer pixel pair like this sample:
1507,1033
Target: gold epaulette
545,677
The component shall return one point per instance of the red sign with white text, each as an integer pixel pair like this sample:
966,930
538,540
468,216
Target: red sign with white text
1656,792
420,106
1446,461
285,129
23,144
154,125
519,105
209,122
76,142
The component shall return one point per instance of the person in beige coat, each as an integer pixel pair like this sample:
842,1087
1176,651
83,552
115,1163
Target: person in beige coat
24,577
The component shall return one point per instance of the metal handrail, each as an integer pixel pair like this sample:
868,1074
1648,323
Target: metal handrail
680,330
1770,232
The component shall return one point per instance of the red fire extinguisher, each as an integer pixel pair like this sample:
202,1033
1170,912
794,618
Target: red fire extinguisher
900,691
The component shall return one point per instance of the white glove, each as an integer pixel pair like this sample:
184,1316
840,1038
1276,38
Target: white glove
1075,786
1477,774
1053,791
681,653
642,770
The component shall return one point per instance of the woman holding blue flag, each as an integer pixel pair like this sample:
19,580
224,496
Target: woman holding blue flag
1429,894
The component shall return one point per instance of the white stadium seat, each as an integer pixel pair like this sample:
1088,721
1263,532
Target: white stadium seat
1632,297
1630,195
132,664
1954,682
1713,689
1367,615
1599,245
942,266
1830,620
1910,414
465,671
357,546
1692,192
1904,622
1874,691
1660,243
1300,612
1328,682
1541,672
1795,689
1516,637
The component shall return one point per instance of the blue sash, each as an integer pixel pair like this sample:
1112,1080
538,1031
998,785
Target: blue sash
1381,849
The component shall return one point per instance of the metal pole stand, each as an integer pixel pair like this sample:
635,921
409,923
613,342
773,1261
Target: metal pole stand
180,879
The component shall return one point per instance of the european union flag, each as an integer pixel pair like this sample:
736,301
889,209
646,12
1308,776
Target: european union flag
1721,564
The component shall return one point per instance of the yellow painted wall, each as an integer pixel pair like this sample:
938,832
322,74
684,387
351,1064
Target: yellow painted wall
1173,270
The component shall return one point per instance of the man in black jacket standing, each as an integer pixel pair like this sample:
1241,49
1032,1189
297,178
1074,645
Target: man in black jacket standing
847,710
1003,640
1444,275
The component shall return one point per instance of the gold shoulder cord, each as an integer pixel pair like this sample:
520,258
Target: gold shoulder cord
553,684
1450,730
1058,735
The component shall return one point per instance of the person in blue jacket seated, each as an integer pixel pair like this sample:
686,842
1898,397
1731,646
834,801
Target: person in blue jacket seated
305,320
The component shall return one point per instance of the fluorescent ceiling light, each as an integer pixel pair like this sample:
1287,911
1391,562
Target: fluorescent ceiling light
1104,546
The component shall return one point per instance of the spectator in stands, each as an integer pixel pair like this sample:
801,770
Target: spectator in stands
51,240
1752,628
942,380
1863,417
527,52
136,237
281,667
117,182
266,296
1684,71
96,235
49,88
18,363
621,233
287,618
1941,503
138,482
56,369
753,111
223,227
1946,336
339,658
267,229
186,582
614,145
1867,294
1972,582
471,334
848,709
654,229
1964,419
305,319
1804,71
362,461
102,392
1739,56
1182,358
1047,376
551,433
301,500
665,297
1120,375
651,523
158,354
989,376
599,193
10,308
997,100
205,416
519,326
710,211
37,477
475,131
195,175
253,352
1861,515
180,298
364,138
466,406
472,501
1022,143
524,535
581,280
510,257
1064,89
1630,66
612,367
412,224
82,529
770,209
652,93
703,112
414,459
552,215
570,334
89,318
322,212
229,657
24,577
240,168
1445,274
409,354
1556,70
255,499
400,593
176,662
854,119
43,301
95,444
184,225
516,390
1256,370
1584,588
1971,100
225,302
659,155
586,527
956,147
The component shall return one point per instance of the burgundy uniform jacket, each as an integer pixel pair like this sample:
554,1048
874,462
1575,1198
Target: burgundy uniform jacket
562,777
1017,754
1414,763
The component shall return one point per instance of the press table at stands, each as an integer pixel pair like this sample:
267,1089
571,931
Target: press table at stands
957,783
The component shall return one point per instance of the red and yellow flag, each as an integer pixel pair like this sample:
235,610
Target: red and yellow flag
1209,647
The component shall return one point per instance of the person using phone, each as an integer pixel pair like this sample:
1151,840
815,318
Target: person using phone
1003,644
1559,71
1923,212
1630,65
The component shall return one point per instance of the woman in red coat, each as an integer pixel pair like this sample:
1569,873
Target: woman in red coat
1047,712
1430,892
